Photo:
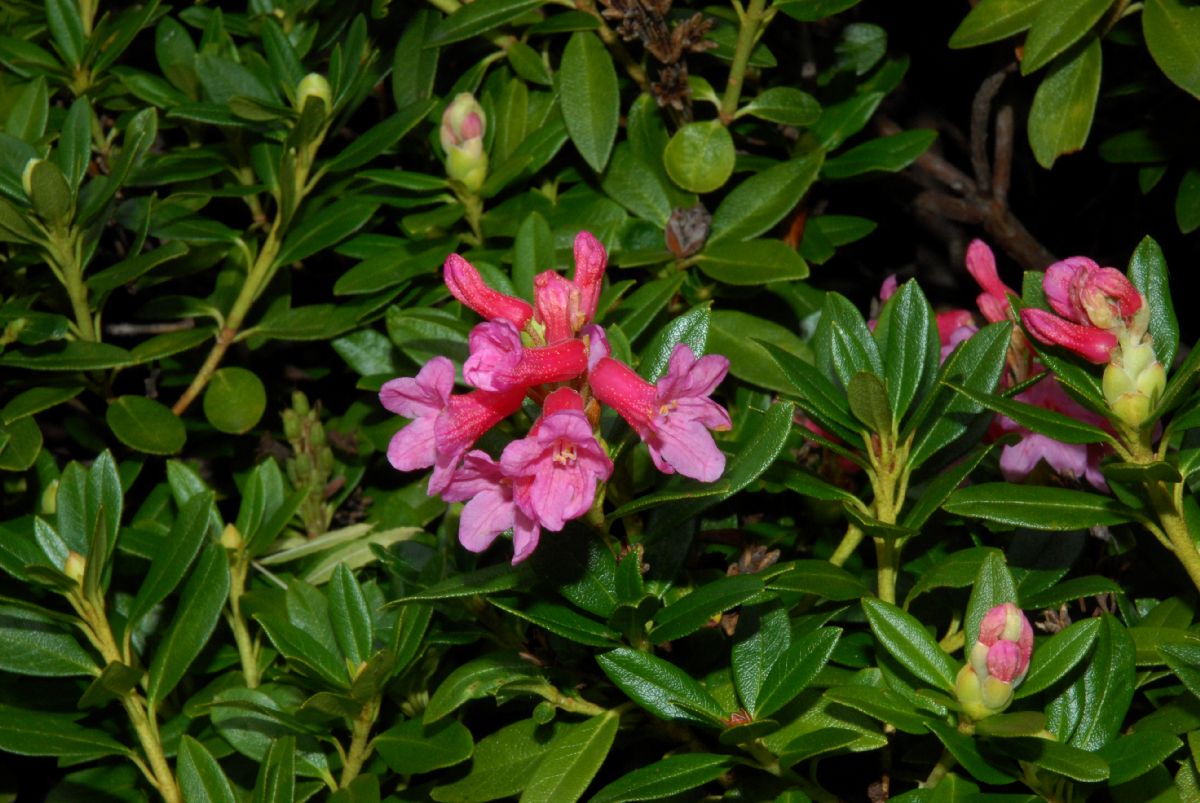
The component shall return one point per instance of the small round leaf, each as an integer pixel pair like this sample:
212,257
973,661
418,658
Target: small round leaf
145,425
235,400
700,156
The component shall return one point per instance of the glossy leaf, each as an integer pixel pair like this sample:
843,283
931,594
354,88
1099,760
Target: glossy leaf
145,425
762,200
910,643
201,779
700,156
1057,26
690,613
234,400
1148,273
1065,103
889,154
1171,28
660,687
993,20
795,669
411,748
589,97
1038,507
670,776
572,760
751,263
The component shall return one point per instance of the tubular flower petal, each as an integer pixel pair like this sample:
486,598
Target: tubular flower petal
993,301
556,301
673,417
500,362
421,399
590,261
465,284
460,424
1094,345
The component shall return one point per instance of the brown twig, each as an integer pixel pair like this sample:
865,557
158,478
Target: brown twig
952,195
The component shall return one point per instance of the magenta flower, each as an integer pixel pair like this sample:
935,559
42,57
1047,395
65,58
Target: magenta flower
993,301
489,510
422,399
673,417
564,306
555,469
1091,343
465,284
464,419
499,361
1069,460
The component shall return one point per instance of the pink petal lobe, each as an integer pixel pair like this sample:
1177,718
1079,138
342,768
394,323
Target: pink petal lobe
413,447
422,395
689,449
488,514
526,533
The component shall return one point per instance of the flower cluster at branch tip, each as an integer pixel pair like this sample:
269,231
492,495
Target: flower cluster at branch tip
1104,319
551,353
463,126
997,663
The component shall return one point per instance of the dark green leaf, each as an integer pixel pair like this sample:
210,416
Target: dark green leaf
819,577
907,640
330,228
795,669
690,328
351,619
560,620
414,67
145,425
693,611
784,105
993,20
1171,28
763,635
762,200
37,643
1148,273
379,138
476,679
660,687
589,96
572,760
410,748
1065,102
993,586
889,154
700,156
40,733
1042,508
751,263
277,775
1058,426
1134,754
1054,657
173,558
881,704
665,778
502,765
201,779
1057,26
476,18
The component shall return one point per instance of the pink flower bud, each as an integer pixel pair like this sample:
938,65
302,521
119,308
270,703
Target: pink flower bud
465,284
499,361
1089,342
590,261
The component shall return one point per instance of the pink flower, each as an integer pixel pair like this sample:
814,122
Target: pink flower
464,419
1070,460
555,469
489,510
1007,623
564,306
597,344
993,301
996,664
499,361
673,417
421,399
1083,292
465,284
1089,342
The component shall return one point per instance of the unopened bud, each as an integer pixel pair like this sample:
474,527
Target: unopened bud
231,539
74,566
463,127
1133,382
997,662
292,428
300,403
314,85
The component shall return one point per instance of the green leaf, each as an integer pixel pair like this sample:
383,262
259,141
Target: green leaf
889,154
1068,590
1187,202
410,748
174,556
881,704
940,488
763,635
965,750
816,742
1148,273
234,400
751,263
909,643
843,343
1102,692
660,687
796,668
476,679
480,582
350,616
66,28
1172,29
908,345
690,328
414,66
740,337
700,156
380,137
201,779
1041,508
1058,426
560,620
1061,759
666,778
993,20
40,733
332,225
277,775
819,577
1057,26
819,398
74,150
1054,657
1060,118
27,115
502,765
145,425
199,609
588,92
632,184
1134,754
784,105
476,18
140,134
762,200
993,586
957,570
869,402
691,612
20,443
76,355
251,720
39,644
813,11
573,759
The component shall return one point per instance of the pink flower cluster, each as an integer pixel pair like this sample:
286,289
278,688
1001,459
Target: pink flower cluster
1094,304
553,354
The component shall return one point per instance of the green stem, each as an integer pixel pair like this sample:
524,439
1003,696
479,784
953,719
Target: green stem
887,554
65,253
752,23
849,543
944,765
360,743
247,646
1167,501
